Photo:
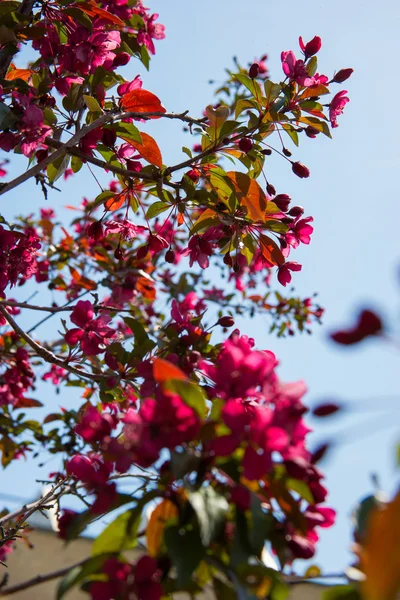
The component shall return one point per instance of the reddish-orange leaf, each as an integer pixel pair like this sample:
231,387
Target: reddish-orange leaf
117,201
316,90
249,194
142,101
146,288
13,73
163,371
149,149
162,513
27,403
271,251
92,10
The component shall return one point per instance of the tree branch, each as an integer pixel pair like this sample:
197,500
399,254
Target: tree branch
75,139
43,352
39,579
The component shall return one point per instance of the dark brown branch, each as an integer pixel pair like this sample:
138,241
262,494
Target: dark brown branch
39,579
75,139
43,352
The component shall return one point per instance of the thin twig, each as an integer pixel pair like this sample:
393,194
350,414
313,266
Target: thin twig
39,579
75,139
43,352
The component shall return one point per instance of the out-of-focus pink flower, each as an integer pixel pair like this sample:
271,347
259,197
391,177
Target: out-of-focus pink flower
92,334
94,425
368,324
284,272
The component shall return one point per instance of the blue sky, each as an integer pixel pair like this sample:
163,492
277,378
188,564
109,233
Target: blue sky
352,193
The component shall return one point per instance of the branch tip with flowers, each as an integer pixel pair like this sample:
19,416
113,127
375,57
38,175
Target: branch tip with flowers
217,441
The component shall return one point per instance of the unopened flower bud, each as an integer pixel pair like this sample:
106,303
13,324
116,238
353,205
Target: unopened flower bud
312,47
95,230
286,152
142,252
109,137
300,170
342,75
296,211
282,201
311,132
226,321
193,174
121,59
266,152
170,256
245,145
271,189
119,254
325,410
254,70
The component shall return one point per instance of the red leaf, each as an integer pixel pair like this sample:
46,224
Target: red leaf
149,149
94,11
27,403
117,201
13,73
271,251
142,101
163,371
249,194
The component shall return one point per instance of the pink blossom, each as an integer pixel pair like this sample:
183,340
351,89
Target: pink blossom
55,375
199,250
295,69
92,334
126,229
94,425
336,106
284,275
129,86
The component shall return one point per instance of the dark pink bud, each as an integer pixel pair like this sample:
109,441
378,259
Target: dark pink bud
109,137
266,152
296,211
254,70
226,321
121,59
142,252
301,547
368,324
170,256
282,201
300,170
312,47
95,230
245,145
319,453
119,254
193,174
325,410
311,132
271,189
342,75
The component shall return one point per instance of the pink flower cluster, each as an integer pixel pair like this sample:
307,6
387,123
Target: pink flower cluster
18,257
92,334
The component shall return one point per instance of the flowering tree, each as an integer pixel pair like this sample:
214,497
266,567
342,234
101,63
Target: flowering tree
203,429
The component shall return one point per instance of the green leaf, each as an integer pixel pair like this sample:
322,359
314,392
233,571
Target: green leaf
272,91
185,550
250,84
57,168
4,110
342,592
120,535
76,164
244,104
292,133
156,209
210,508
128,131
79,574
92,104
301,488
312,66
190,393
